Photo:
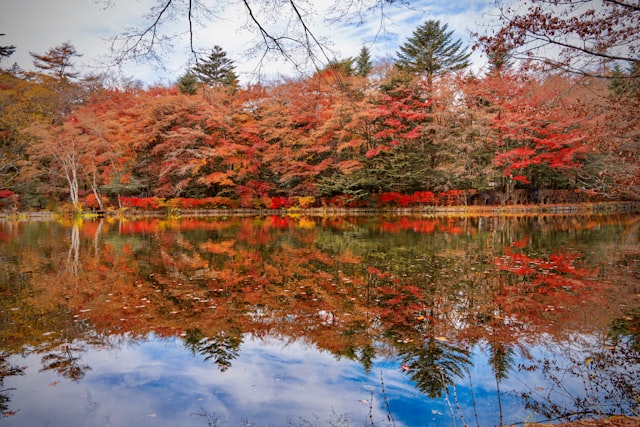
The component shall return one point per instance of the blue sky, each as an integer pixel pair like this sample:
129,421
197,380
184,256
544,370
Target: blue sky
37,25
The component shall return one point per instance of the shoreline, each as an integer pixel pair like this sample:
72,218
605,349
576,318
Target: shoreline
492,210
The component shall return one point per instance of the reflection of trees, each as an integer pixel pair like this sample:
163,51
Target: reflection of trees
359,287
600,383
73,257
627,329
501,359
434,365
221,348
6,370
65,362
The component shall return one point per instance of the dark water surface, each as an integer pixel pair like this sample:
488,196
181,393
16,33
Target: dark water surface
302,321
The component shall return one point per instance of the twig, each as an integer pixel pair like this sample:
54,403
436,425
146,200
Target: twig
386,401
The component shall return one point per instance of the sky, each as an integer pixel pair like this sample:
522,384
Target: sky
35,26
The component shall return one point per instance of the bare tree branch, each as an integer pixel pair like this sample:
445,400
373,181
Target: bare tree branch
575,35
290,37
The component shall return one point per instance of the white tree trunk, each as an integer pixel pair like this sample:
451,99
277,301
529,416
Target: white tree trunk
71,173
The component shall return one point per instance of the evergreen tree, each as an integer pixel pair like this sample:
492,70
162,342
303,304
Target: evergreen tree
343,67
187,83
431,52
363,62
216,69
625,82
499,60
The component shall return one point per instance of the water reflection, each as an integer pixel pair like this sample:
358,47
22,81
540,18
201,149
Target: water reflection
390,320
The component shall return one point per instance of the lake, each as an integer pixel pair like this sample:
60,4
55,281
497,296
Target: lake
308,321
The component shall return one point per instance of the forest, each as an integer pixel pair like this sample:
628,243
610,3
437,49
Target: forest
418,129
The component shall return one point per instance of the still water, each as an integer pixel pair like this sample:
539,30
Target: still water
304,321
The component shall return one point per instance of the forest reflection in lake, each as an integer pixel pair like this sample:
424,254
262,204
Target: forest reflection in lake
293,320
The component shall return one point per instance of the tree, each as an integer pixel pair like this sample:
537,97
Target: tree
544,132
342,68
58,61
24,104
216,69
60,147
297,153
6,51
187,83
621,143
574,35
499,60
625,83
363,62
431,52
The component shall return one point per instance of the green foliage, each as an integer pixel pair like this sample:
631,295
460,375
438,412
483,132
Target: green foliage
431,52
216,69
343,67
363,62
625,82
187,83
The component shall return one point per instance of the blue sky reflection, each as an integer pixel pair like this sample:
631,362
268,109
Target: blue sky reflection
159,382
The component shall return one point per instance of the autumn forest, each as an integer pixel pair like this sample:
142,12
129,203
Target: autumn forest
356,133
413,240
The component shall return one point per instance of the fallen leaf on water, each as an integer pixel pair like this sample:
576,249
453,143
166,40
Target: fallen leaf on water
53,384
441,338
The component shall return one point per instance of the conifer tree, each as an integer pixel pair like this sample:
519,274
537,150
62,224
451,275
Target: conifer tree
363,62
216,69
187,83
431,51
625,82
57,61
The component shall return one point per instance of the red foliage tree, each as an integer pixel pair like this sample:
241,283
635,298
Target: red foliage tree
539,123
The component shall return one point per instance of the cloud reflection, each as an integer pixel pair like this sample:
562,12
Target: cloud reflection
159,382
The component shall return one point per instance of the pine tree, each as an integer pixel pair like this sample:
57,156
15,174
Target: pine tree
363,62
431,52
216,69
625,82
499,60
343,67
187,83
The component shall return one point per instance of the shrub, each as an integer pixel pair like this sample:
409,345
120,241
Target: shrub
306,201
152,203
